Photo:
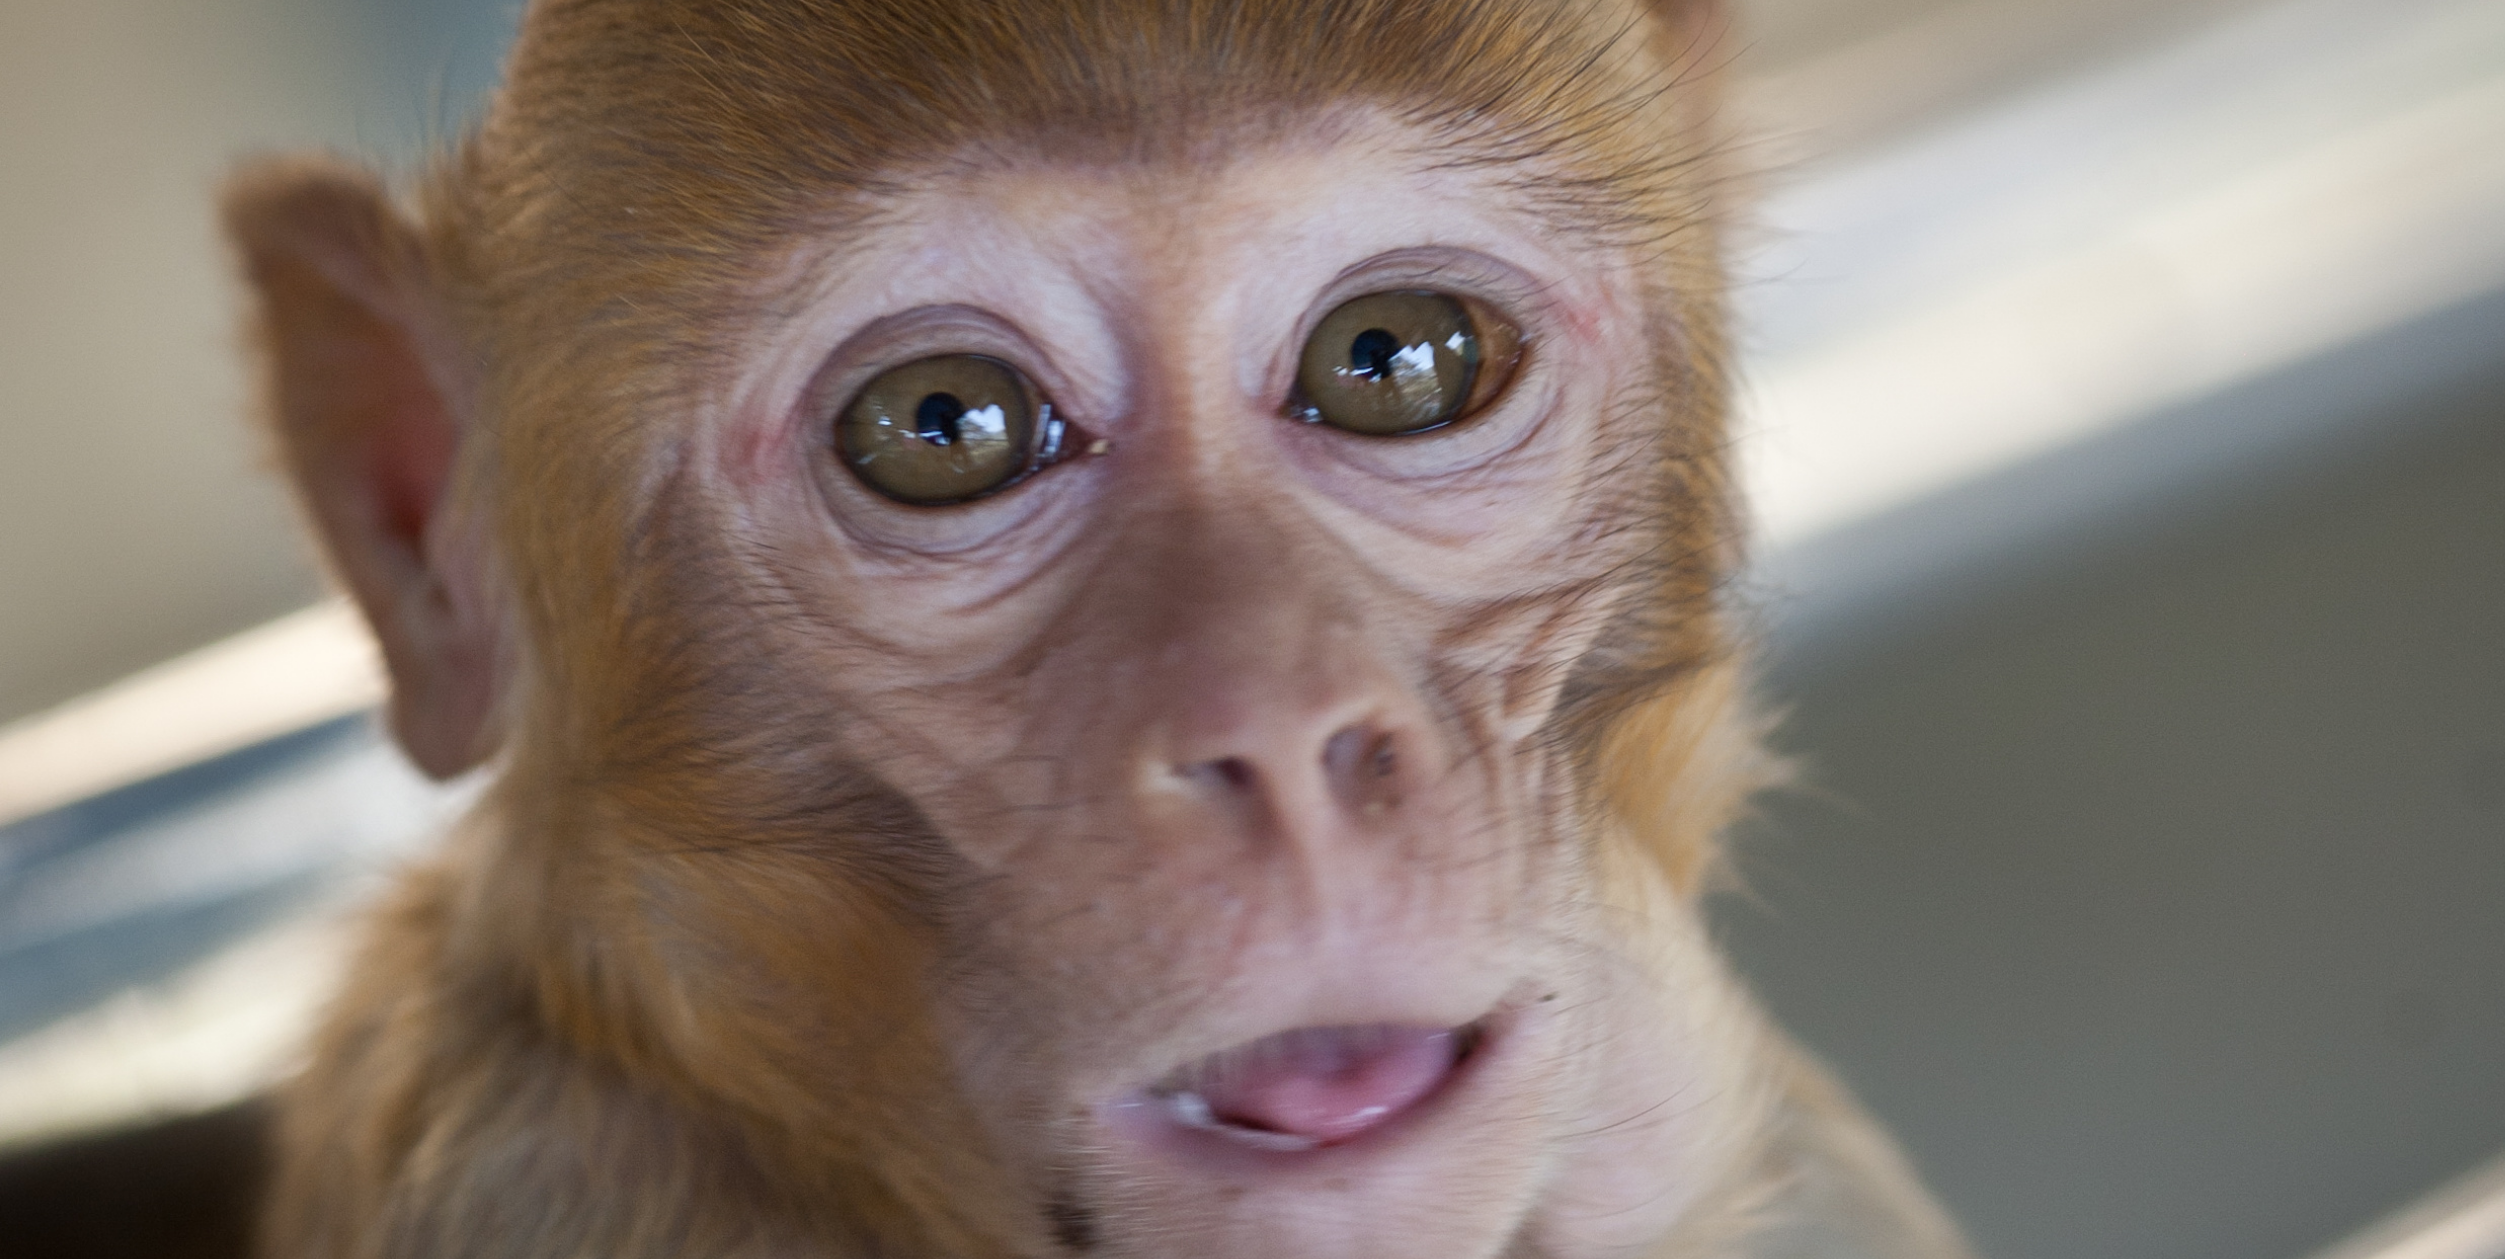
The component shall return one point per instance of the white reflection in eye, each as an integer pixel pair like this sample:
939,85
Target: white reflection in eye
980,424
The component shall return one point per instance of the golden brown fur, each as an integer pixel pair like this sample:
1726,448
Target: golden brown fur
723,965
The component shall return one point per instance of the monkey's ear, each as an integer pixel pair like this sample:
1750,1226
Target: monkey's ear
364,381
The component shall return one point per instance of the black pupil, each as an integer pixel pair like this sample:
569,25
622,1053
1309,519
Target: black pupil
935,420
1371,353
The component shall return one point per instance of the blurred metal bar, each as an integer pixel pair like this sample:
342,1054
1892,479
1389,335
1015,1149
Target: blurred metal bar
297,671
165,945
2026,277
2463,1220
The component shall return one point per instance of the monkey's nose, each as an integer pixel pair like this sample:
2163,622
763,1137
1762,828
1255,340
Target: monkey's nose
1358,768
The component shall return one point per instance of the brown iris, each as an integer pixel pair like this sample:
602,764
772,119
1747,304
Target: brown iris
1403,362
941,430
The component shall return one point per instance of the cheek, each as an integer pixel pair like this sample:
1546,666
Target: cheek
917,595
921,681
1675,1085
1542,503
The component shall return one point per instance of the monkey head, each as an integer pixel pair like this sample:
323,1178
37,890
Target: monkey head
1096,627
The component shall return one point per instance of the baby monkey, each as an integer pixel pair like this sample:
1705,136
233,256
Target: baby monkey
1097,630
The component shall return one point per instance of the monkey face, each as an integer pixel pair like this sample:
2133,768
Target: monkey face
1209,750
1097,624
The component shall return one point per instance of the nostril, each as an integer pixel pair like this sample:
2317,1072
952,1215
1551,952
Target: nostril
1361,762
1360,752
1232,773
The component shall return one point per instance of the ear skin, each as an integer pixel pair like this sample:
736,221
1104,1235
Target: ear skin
362,381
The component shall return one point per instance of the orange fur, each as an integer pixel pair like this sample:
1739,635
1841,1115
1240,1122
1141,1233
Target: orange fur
770,935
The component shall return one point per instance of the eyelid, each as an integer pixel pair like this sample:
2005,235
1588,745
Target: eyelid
908,336
1466,275
1489,292
1462,273
893,341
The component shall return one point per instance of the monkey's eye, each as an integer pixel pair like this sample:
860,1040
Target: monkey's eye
943,430
1392,364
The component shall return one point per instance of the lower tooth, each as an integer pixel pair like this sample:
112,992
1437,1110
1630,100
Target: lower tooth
1192,1111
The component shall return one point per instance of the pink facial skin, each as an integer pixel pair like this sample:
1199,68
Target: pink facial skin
1336,1015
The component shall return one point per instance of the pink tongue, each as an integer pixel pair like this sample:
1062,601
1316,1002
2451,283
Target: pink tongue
1325,1084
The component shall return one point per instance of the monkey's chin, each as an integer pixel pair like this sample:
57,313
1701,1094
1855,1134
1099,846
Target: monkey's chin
1330,1141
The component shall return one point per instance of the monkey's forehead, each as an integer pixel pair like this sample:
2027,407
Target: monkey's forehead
1333,199
736,115
1092,263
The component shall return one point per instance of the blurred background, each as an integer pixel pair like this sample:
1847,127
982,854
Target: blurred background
2126,428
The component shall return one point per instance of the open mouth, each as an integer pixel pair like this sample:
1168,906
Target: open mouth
1315,1086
